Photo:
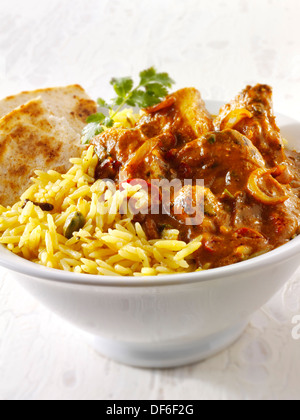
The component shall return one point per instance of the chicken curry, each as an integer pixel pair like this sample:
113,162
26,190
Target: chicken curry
251,191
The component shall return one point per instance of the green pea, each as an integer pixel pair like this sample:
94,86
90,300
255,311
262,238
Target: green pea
74,223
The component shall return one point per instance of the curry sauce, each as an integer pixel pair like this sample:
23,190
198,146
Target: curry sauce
249,196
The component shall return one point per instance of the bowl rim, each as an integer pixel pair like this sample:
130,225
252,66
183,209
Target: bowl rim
285,252
19,265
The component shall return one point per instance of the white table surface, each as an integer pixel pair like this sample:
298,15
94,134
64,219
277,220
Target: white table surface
218,46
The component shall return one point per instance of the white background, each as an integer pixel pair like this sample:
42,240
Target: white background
219,47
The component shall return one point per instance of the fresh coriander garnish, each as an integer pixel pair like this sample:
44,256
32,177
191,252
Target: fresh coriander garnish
228,193
212,139
151,90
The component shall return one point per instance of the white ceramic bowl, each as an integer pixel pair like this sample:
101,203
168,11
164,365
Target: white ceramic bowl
163,321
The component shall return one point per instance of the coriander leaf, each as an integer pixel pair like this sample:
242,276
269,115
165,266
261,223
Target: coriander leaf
147,76
153,87
131,101
102,103
157,89
116,102
122,86
108,122
151,75
90,131
151,99
137,98
143,99
164,79
96,118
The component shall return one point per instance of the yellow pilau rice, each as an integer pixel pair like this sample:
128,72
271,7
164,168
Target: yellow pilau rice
109,243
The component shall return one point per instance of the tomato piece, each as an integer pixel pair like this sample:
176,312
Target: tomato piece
184,171
167,103
248,233
278,223
211,245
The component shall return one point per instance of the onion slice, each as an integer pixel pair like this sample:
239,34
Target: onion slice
234,117
265,189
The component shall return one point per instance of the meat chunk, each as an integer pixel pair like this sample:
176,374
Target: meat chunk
223,159
183,114
198,208
114,148
251,113
149,160
140,152
226,161
248,203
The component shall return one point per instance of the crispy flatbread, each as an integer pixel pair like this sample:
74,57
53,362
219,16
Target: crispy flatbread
71,102
32,138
